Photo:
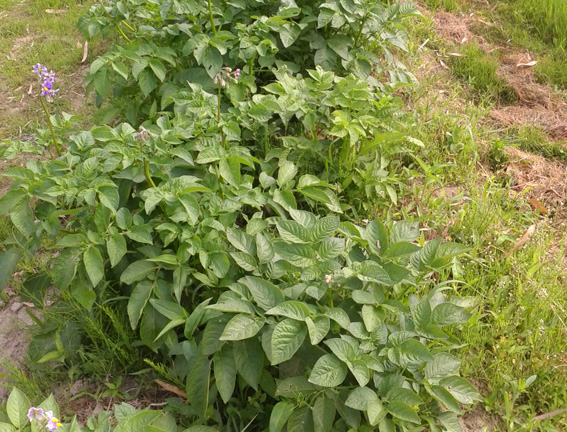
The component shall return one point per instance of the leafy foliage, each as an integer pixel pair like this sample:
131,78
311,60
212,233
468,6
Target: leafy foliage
225,223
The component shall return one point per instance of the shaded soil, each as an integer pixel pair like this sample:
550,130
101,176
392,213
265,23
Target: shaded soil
13,337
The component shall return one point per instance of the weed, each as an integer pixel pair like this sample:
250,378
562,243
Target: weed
478,70
534,140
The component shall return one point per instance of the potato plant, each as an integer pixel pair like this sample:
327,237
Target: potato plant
216,206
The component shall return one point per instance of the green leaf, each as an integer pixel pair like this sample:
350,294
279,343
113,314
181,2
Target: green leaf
137,422
158,68
10,199
138,301
102,82
377,237
212,61
403,412
301,420
229,169
323,414
461,389
331,248
147,81
191,207
264,248
404,231
22,218
198,385
449,313
295,388
219,264
211,342
325,227
371,317
123,218
287,337
8,263
7,427
108,196
242,326
340,44
141,234
50,404
359,398
291,309
293,232
414,352
286,173
342,349
265,294
225,372
201,429
94,265
339,316
300,255
289,34
17,408
137,271
240,240
370,271
443,396
121,69
442,365
376,412
233,305
116,248
450,422
249,358
317,328
280,415
195,318
244,260
329,371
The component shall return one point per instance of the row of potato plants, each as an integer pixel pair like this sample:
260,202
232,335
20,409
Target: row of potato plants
221,205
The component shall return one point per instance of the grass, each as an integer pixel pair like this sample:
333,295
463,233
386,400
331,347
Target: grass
478,69
39,31
516,344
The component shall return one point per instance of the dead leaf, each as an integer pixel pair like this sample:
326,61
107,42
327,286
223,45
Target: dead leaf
463,40
455,54
28,304
550,414
30,89
443,64
527,65
538,205
171,388
522,242
85,51
55,11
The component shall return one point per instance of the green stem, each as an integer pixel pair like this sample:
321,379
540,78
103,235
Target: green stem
251,67
147,168
147,173
362,24
55,144
122,33
219,103
212,19
128,26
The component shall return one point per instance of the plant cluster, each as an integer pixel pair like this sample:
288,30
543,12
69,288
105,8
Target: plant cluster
225,215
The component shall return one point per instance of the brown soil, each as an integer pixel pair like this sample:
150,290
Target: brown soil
477,421
13,337
538,105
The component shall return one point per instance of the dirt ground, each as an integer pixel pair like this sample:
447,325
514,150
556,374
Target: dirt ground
13,336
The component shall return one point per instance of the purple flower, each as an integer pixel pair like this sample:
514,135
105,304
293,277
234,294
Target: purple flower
47,78
236,73
35,413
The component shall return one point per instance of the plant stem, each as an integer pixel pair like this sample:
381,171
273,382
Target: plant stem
146,168
128,26
122,33
212,19
55,144
362,24
219,103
